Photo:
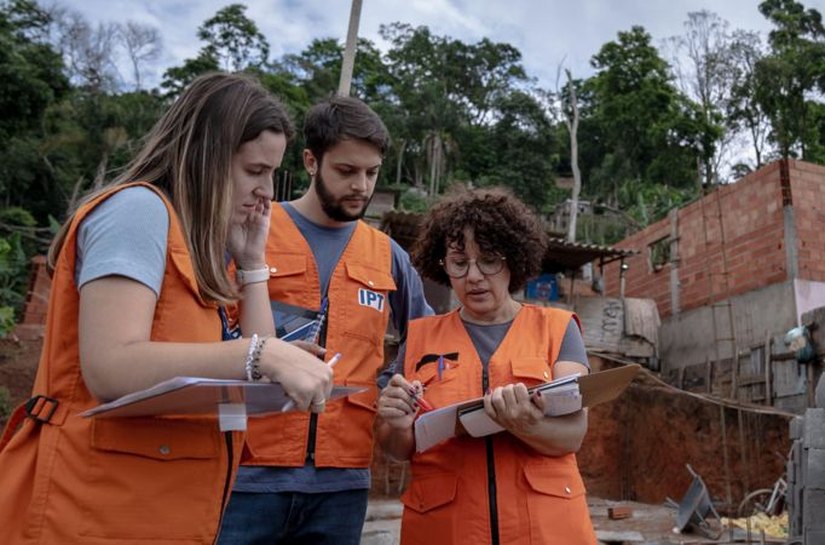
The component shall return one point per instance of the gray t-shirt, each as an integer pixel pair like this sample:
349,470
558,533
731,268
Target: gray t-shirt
124,236
406,302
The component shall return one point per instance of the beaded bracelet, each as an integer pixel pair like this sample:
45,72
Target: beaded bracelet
255,370
250,363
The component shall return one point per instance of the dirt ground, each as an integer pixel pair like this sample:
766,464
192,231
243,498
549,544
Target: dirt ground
18,365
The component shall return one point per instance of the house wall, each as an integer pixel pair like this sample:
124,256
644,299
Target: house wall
807,183
686,339
754,223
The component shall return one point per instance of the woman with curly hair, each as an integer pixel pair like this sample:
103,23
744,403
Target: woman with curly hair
520,486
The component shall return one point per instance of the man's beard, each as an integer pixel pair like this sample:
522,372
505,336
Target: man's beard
332,208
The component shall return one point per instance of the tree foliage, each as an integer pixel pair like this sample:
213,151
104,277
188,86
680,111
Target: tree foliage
639,129
458,112
786,78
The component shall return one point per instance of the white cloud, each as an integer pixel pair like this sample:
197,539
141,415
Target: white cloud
546,32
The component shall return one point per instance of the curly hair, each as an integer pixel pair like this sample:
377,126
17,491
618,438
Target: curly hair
501,225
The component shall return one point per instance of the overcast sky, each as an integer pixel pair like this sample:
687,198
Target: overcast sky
546,32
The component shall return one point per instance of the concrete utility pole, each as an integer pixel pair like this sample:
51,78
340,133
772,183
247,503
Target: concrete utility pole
349,51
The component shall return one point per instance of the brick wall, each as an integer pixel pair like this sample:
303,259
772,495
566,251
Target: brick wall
808,194
753,214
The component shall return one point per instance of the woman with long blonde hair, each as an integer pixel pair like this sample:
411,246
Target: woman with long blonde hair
139,288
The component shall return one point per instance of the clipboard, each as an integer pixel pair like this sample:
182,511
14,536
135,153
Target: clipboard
562,396
204,396
294,323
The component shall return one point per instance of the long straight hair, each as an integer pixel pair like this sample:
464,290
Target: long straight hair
188,155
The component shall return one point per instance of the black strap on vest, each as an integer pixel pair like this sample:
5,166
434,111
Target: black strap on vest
41,408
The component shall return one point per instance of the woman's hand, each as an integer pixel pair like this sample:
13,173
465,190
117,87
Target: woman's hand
513,408
246,241
397,405
306,379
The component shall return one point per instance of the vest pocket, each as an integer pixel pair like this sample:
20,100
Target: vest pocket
531,370
154,478
556,504
373,279
431,492
366,310
428,372
287,265
156,438
430,511
554,481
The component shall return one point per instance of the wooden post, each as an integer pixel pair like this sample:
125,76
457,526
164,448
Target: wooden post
734,385
348,63
708,375
768,371
724,427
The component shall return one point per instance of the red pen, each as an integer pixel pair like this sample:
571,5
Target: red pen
423,403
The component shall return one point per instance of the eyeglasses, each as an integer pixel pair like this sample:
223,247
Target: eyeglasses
458,267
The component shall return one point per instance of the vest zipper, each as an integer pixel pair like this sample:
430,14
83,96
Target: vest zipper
491,490
491,468
313,417
230,453
313,427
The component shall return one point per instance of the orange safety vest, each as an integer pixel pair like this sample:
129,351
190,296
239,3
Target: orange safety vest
358,311
69,479
462,487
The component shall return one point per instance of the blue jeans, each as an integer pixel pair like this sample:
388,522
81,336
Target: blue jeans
294,518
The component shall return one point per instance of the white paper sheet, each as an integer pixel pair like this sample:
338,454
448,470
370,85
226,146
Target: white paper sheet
434,427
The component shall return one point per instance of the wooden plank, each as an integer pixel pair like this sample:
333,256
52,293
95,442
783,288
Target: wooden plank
749,380
608,536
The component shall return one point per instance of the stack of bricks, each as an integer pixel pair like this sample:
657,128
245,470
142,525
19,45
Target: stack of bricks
33,322
806,477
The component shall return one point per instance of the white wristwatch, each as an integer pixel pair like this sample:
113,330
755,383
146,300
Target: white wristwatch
252,277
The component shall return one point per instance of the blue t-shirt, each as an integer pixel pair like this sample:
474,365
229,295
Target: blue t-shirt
406,302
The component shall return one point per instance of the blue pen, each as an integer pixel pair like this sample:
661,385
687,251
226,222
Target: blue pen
440,366
315,335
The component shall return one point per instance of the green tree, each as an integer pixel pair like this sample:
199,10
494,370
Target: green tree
318,67
234,39
707,71
524,149
787,77
31,80
456,108
232,42
745,112
638,127
176,78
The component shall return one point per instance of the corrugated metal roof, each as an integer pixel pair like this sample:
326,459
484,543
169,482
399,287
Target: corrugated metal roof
561,254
